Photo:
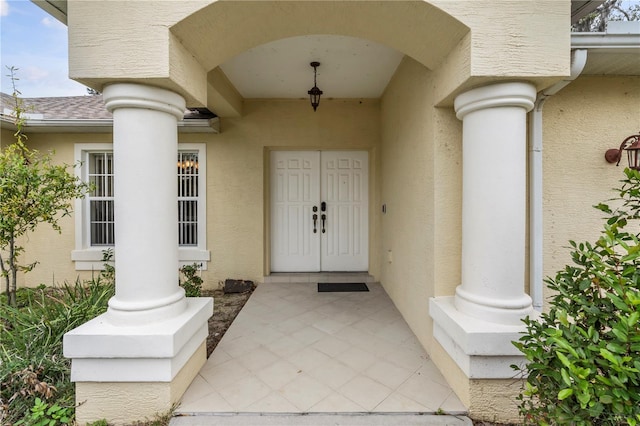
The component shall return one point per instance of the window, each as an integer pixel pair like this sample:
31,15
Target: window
101,221
95,221
188,198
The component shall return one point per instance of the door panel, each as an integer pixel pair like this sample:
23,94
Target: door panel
302,180
295,189
344,187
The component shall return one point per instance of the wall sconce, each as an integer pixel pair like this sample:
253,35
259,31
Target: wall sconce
315,93
631,145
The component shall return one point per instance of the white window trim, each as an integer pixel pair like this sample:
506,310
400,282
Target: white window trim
89,258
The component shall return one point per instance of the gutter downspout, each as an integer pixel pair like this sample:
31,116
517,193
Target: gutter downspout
578,61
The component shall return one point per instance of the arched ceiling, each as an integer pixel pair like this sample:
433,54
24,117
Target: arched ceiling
349,68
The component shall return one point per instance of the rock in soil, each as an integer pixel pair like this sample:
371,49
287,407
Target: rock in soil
237,286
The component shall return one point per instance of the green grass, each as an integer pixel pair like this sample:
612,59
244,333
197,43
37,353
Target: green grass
31,361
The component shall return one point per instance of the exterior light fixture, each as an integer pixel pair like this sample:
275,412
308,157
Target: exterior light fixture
631,145
315,93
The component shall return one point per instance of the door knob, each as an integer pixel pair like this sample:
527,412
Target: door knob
315,222
324,220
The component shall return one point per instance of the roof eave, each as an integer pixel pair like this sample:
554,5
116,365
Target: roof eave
55,8
605,41
203,125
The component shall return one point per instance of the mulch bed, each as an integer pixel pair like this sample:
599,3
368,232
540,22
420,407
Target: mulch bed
226,307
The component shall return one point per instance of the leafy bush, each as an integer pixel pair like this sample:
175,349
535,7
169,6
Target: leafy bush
31,361
43,414
192,283
584,354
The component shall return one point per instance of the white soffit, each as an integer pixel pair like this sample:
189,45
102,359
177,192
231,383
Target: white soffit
349,68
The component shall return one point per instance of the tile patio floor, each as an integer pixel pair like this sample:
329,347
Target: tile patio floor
294,350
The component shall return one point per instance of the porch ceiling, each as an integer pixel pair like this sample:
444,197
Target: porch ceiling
349,68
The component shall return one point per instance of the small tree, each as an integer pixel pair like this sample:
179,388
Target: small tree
584,354
32,191
609,10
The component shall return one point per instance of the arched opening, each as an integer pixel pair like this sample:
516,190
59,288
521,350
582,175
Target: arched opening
223,31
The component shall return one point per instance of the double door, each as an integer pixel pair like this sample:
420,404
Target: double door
319,211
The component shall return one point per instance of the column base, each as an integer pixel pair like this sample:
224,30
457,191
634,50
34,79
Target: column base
117,367
477,356
489,400
481,349
507,312
124,403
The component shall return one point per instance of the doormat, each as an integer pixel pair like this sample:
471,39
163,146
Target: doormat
330,287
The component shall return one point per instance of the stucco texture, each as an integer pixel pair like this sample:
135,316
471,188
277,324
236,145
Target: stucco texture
238,172
52,250
524,38
407,191
581,122
237,182
124,402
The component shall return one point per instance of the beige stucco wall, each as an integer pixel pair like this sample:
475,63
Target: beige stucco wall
236,232
581,122
515,37
490,400
421,186
122,402
524,38
6,137
52,250
238,236
407,229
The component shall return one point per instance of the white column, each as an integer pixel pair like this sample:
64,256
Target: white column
139,357
145,146
494,202
476,326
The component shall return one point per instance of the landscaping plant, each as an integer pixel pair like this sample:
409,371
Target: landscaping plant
32,366
583,356
43,414
192,282
32,191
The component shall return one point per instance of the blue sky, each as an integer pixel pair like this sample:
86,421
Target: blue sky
36,43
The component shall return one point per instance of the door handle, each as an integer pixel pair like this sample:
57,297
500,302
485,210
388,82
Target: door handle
324,220
315,223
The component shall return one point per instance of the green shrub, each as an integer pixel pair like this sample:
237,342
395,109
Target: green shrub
192,282
31,361
583,356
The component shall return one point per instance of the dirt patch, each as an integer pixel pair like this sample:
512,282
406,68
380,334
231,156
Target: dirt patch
226,307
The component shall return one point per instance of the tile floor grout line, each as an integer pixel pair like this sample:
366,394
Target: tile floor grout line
334,355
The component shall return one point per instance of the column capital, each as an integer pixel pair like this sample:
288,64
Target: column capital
511,94
133,95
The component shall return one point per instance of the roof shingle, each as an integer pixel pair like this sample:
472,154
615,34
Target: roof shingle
60,108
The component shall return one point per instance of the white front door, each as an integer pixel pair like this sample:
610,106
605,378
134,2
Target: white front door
319,211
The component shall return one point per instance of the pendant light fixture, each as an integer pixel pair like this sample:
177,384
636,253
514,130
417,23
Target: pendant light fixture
315,92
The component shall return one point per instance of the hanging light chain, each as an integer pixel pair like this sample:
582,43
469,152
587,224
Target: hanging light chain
315,93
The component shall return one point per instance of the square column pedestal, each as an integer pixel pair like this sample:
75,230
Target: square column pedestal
476,356
473,330
129,373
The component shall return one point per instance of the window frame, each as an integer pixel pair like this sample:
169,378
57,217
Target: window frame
87,257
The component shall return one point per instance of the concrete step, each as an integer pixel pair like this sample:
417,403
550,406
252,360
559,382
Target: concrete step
314,277
350,419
